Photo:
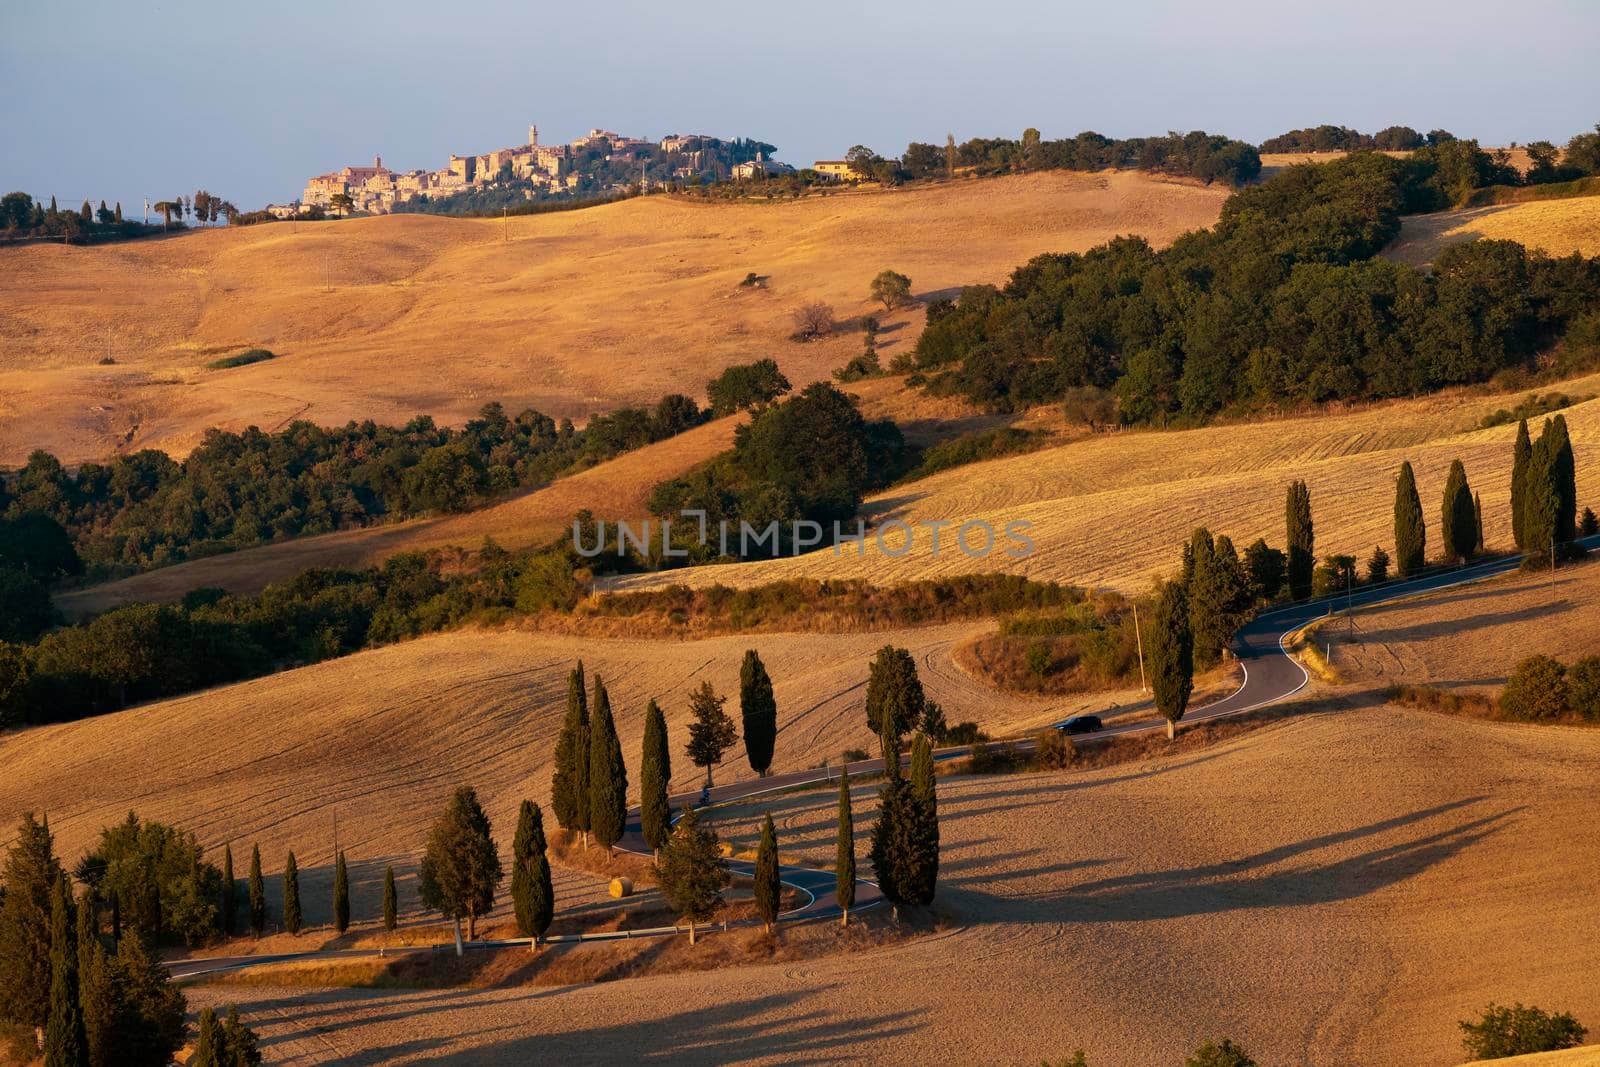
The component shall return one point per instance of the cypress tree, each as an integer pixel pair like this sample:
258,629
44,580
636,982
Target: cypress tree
1520,451
521,873
230,892
1410,535
895,697
542,897
655,772
1170,648
65,1042
759,710
291,895
1563,478
1301,539
1460,516
904,843
569,788
844,868
88,937
206,1050
258,893
1477,521
692,871
30,874
1219,595
119,211
925,788
391,901
341,895
1541,505
608,775
766,874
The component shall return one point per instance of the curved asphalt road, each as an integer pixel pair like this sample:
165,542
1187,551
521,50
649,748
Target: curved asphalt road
1270,675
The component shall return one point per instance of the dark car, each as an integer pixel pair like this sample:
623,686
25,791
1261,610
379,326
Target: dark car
1080,724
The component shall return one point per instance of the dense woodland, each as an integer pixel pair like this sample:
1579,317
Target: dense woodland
1547,162
1283,302
235,490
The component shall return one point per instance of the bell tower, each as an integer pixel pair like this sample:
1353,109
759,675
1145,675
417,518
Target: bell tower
533,135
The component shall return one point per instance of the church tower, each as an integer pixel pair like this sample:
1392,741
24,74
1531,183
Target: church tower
533,135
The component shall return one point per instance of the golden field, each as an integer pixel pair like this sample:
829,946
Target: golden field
1558,227
570,313
1113,510
1397,870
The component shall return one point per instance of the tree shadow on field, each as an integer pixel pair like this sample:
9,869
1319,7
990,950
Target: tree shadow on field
1233,885
778,1024
1466,623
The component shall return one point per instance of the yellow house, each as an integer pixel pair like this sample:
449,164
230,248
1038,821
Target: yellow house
837,169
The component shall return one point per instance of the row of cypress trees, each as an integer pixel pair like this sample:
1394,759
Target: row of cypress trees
293,916
1544,493
590,785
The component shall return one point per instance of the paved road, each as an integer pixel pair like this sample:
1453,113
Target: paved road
1270,675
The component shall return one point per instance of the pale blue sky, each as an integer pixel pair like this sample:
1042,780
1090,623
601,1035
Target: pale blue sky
125,100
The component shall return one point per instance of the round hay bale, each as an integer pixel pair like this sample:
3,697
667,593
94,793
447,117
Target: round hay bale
621,887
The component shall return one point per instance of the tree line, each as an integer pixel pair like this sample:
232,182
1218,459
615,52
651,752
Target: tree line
1217,591
83,971
145,510
1283,302
22,217
1330,138
1580,158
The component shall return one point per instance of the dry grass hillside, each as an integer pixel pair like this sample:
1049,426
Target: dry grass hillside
1396,872
1113,510
1559,227
383,736
1473,637
571,313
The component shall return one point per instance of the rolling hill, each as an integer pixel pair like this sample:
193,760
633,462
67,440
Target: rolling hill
570,313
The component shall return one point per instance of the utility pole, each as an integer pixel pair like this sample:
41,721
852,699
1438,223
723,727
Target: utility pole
505,223
147,211
1139,637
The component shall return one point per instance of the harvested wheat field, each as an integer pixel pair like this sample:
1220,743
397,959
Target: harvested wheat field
1558,227
1473,637
1396,872
618,487
1113,510
571,313
383,737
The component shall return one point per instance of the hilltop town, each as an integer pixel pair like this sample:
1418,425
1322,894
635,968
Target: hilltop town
598,161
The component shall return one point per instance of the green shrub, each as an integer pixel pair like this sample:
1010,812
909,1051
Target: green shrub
1226,1054
990,758
964,733
1039,659
1516,1031
974,447
1583,688
1532,405
1536,690
243,359
1055,751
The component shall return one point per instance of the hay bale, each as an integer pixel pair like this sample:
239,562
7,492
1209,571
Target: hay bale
621,887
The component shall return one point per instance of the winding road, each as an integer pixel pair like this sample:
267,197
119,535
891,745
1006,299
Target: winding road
1270,675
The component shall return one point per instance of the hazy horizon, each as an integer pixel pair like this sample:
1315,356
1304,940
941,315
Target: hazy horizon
248,104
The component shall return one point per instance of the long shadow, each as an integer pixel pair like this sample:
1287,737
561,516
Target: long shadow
757,1027
1179,895
1466,623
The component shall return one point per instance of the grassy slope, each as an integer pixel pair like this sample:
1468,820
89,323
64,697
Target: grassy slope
1115,509
578,312
1560,227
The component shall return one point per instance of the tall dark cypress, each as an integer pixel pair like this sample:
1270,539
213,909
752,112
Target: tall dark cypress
291,895
608,775
391,901
65,1042
521,874
1563,480
844,867
759,710
258,893
1301,538
569,788
1520,451
1169,648
766,874
1410,534
1477,520
230,892
541,896
655,772
341,895
925,787
1459,517
1541,503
